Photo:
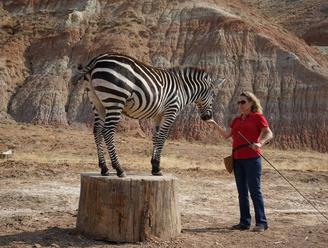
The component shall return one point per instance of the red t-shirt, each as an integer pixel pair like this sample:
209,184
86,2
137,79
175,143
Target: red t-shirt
251,128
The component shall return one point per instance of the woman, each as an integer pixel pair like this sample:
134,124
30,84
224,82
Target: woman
247,162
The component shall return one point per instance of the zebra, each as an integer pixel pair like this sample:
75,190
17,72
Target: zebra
119,84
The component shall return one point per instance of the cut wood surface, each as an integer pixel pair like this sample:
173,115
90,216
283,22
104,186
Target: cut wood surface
130,209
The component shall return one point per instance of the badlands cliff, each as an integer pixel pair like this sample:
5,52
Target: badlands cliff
42,42
305,18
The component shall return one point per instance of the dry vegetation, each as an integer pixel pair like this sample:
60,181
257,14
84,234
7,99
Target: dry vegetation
39,190
75,145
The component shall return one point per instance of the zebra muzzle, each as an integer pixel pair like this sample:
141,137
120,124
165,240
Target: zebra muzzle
206,117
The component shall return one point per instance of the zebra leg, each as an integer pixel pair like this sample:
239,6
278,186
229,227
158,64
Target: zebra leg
112,119
155,163
158,143
98,135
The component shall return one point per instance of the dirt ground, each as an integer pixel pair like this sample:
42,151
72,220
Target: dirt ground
39,191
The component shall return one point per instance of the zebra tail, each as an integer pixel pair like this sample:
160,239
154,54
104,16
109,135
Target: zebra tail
80,73
83,71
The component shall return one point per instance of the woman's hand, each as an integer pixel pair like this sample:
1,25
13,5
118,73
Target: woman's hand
256,146
212,122
225,133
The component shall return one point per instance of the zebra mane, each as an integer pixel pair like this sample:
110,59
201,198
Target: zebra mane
185,70
92,62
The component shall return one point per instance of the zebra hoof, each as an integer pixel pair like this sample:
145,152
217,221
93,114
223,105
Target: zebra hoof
157,173
104,171
122,174
105,174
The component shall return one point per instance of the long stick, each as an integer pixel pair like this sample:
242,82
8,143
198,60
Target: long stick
285,178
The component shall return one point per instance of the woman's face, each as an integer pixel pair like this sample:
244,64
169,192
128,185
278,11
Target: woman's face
245,106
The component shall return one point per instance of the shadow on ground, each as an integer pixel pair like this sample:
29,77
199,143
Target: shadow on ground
207,230
52,237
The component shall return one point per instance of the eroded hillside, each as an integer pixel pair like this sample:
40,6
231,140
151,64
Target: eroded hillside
43,41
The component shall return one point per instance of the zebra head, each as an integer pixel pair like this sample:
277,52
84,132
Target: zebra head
204,104
205,101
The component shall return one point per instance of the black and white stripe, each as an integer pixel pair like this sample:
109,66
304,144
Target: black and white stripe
119,85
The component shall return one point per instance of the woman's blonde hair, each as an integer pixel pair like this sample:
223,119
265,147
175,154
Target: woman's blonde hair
256,105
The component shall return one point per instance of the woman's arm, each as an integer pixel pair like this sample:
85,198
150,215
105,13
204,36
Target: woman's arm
265,135
224,132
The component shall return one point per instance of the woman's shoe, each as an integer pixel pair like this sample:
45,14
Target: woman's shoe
240,227
260,228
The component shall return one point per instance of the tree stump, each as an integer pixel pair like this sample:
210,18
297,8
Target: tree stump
130,209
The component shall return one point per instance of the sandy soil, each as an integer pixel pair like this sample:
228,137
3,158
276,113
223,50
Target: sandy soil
39,191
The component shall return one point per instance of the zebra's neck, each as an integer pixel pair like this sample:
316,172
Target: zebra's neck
192,83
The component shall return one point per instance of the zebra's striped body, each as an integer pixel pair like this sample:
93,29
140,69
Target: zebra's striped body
122,85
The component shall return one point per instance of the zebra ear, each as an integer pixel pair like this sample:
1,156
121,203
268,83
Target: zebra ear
220,82
217,85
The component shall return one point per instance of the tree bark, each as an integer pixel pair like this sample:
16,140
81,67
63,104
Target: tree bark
129,209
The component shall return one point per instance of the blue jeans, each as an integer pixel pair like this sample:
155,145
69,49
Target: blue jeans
248,178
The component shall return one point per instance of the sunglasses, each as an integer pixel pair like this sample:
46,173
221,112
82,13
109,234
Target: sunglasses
241,102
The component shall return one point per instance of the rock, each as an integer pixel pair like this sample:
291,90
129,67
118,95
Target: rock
55,245
317,35
6,154
307,19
